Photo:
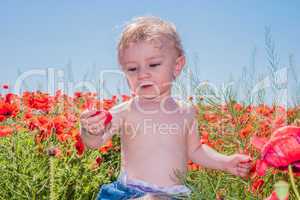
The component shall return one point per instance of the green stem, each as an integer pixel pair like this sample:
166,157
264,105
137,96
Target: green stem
51,170
15,158
34,195
293,182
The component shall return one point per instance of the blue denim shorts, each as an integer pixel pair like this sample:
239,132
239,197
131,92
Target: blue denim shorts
118,191
123,189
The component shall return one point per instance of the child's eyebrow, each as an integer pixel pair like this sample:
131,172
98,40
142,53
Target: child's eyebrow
129,62
149,58
154,57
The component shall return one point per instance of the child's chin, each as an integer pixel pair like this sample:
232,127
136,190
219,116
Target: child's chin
147,96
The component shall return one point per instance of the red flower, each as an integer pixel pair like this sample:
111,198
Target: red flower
63,137
77,94
61,123
5,131
99,160
125,98
5,86
257,185
41,123
38,100
264,110
281,150
79,145
246,131
204,137
109,103
238,107
210,117
8,110
106,147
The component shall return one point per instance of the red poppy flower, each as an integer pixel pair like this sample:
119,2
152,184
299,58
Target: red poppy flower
257,185
99,160
5,86
125,98
38,100
106,147
280,151
204,137
79,145
5,131
8,110
246,131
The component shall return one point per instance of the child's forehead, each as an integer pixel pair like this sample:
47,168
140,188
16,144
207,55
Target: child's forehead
154,45
151,48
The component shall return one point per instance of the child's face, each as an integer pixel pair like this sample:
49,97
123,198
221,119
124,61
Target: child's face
151,67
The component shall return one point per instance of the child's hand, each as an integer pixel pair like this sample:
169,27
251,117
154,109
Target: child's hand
95,122
239,164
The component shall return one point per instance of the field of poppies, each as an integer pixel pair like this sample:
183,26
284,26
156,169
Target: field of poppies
42,155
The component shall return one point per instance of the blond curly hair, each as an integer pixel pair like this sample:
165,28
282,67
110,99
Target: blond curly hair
149,28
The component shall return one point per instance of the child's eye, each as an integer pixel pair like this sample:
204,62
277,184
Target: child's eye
154,65
132,69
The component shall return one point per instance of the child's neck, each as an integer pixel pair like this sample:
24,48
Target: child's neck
161,98
161,102
154,100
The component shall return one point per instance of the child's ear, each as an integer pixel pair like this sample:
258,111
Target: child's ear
180,62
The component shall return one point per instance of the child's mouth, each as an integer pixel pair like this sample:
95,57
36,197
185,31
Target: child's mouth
145,86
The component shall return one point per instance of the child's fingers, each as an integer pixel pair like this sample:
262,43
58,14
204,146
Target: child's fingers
243,169
95,129
243,172
107,127
244,165
98,125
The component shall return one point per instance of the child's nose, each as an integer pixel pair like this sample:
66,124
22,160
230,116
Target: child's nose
143,74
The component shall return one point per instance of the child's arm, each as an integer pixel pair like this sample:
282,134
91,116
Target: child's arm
205,156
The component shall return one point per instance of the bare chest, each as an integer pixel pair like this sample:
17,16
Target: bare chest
155,126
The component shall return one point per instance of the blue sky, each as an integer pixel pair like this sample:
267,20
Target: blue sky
220,34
